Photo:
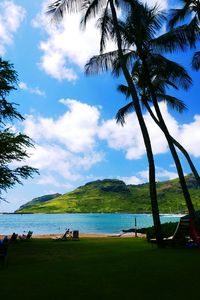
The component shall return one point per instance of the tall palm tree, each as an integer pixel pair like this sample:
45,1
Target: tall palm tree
141,35
189,12
92,8
161,74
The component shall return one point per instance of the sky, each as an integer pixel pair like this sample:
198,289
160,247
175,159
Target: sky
71,116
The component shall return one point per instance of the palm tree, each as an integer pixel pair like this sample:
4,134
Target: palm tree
160,80
190,10
141,34
159,84
92,8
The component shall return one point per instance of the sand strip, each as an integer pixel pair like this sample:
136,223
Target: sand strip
84,235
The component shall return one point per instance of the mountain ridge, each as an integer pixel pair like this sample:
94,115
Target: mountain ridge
113,195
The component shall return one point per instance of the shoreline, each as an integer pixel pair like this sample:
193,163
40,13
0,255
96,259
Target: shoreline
84,235
58,213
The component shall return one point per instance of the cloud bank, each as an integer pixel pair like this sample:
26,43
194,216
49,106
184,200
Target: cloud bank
67,47
70,144
11,17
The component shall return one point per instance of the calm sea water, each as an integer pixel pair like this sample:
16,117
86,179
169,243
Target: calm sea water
85,223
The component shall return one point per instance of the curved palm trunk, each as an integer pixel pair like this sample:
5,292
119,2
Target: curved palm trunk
178,145
186,193
152,181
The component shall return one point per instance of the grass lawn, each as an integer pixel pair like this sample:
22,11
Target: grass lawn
99,268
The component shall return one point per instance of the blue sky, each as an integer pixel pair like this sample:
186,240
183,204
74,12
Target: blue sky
71,117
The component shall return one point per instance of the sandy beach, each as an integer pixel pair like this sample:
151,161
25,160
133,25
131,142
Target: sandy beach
84,235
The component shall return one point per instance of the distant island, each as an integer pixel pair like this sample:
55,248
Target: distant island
112,195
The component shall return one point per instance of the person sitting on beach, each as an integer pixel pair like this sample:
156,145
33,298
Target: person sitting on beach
4,240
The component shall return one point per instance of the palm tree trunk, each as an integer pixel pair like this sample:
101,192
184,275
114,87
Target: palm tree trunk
178,145
186,193
146,138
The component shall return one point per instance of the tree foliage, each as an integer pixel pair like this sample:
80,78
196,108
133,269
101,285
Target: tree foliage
190,14
13,145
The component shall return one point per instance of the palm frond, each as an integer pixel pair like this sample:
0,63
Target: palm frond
174,40
193,31
156,17
196,61
57,9
172,84
129,59
178,15
173,102
177,75
101,63
91,9
169,70
122,112
105,25
124,90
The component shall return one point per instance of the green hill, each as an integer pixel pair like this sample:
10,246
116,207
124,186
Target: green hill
110,195
40,200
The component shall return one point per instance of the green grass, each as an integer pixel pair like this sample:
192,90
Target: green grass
103,268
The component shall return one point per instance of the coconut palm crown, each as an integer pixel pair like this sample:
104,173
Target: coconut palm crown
189,13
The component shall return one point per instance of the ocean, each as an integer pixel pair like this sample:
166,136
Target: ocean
85,223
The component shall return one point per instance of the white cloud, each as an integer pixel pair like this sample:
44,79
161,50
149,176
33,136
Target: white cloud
53,158
131,180
66,46
165,174
76,129
189,136
143,176
129,138
66,145
161,174
52,181
69,144
79,130
11,17
36,90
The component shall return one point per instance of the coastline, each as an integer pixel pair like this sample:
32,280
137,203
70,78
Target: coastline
78,213
85,235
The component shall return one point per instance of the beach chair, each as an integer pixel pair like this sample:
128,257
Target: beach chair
13,238
181,233
180,236
3,253
185,233
75,235
66,236
25,237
